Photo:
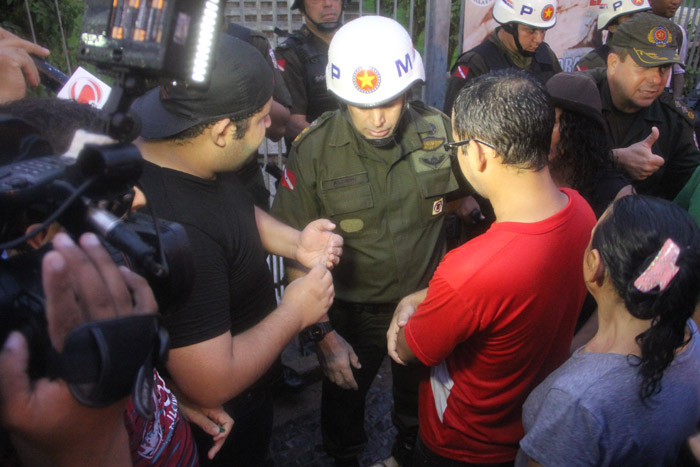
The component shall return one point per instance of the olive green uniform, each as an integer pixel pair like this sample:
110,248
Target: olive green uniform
389,206
676,143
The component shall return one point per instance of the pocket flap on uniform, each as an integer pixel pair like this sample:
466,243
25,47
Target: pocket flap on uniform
348,199
436,182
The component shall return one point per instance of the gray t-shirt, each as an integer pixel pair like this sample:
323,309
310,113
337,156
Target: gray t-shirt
588,412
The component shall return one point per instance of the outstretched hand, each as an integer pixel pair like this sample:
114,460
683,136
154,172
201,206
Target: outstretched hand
311,295
638,159
16,66
318,244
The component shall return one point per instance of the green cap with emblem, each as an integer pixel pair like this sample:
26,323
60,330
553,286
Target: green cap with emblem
649,39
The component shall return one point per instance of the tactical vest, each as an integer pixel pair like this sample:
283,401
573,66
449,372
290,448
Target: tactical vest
315,61
541,66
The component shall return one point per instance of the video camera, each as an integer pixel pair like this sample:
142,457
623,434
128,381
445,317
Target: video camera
104,361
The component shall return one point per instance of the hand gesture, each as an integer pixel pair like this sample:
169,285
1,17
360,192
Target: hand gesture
638,159
336,358
318,244
16,66
311,295
216,422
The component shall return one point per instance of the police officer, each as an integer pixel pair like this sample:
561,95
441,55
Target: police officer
302,59
517,42
610,16
378,169
652,132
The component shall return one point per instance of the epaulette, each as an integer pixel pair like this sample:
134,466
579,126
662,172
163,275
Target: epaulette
687,113
313,127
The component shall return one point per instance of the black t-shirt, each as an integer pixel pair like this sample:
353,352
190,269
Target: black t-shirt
233,287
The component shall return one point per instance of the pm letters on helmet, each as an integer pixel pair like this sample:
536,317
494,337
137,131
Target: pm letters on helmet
403,66
526,10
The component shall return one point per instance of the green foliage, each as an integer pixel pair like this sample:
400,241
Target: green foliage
46,26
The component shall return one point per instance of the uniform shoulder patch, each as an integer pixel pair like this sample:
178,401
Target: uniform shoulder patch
313,126
687,113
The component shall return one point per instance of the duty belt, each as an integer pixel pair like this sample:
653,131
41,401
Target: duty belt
372,308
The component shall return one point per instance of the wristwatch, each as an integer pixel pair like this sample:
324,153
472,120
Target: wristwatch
318,331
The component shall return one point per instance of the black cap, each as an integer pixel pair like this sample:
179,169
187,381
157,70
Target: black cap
649,40
577,93
241,83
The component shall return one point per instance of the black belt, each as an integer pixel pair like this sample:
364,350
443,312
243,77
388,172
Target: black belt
372,308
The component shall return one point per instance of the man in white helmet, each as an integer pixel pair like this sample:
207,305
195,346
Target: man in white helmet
517,43
378,169
610,16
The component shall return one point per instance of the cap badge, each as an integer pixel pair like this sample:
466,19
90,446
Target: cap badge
366,80
638,2
659,36
547,12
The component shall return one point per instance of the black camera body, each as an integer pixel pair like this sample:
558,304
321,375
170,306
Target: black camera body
90,193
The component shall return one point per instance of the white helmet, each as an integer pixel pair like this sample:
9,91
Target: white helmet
371,61
618,8
535,13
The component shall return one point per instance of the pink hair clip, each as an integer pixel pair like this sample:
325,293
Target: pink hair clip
662,270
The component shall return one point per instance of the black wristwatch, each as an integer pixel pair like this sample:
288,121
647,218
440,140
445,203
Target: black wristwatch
318,331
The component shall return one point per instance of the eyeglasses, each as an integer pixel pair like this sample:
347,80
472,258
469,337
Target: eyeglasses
456,144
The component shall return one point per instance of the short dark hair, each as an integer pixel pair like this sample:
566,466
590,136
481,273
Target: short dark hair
628,238
510,110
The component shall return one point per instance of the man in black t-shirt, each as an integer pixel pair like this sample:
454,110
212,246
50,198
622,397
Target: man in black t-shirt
229,331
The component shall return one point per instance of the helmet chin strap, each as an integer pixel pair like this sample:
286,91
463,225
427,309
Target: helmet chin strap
326,27
512,29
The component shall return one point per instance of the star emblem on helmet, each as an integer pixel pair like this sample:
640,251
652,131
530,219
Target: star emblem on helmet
548,12
366,80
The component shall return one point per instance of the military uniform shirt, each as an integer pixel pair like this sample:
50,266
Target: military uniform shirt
676,143
388,204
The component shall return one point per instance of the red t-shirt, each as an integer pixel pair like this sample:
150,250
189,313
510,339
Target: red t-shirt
500,313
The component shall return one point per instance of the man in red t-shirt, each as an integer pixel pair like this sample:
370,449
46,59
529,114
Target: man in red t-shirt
499,313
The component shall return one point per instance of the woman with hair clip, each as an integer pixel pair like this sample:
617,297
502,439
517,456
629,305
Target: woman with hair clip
580,156
630,396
